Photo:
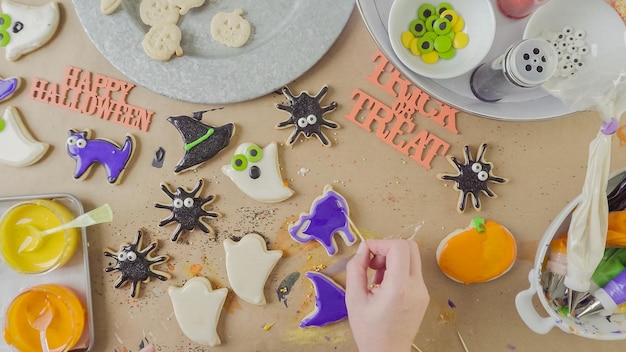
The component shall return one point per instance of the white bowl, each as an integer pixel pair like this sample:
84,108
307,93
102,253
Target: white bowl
604,28
480,26
593,326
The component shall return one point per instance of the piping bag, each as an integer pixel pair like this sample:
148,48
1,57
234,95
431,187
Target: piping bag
600,86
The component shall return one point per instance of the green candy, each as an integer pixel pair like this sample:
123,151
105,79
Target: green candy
425,11
417,27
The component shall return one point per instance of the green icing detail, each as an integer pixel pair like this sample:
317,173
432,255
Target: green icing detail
479,224
1,125
203,138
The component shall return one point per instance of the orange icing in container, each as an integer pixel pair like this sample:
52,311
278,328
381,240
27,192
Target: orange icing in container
481,252
65,328
53,251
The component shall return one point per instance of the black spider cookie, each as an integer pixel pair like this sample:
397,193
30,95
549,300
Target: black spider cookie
135,264
187,210
307,116
472,177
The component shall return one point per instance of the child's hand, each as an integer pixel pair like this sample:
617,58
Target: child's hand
385,314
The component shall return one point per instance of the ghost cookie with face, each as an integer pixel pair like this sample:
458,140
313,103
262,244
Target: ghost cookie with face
26,28
256,172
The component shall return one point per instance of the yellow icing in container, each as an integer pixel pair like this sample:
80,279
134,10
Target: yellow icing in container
53,251
65,328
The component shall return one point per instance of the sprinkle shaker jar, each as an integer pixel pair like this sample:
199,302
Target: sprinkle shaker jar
526,64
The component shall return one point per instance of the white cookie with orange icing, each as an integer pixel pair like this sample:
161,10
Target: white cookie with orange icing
26,28
17,147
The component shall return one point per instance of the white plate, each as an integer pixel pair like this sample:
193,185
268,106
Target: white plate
479,26
289,37
535,104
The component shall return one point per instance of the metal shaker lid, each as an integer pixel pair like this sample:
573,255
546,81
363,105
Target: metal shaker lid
531,62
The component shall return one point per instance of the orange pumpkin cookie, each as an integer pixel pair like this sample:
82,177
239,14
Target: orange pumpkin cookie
481,252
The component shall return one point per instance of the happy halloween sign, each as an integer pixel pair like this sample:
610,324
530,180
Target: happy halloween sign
396,125
93,94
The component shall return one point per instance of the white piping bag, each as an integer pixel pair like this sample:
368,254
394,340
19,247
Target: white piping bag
600,87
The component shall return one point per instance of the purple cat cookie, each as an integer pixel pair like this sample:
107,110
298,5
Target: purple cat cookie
330,301
329,215
87,152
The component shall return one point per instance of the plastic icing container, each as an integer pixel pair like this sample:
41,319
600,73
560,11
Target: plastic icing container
592,326
66,324
64,291
17,226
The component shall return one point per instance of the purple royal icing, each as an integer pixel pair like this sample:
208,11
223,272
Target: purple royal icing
329,214
87,152
616,288
330,301
8,87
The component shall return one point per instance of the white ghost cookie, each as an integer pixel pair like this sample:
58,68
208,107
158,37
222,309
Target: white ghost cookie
230,29
17,147
108,6
186,5
163,41
248,265
27,28
158,12
197,308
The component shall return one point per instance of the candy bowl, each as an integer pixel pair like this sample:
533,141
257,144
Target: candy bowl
582,41
16,229
594,326
441,40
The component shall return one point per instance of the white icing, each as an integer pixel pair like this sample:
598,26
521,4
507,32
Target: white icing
197,308
248,265
269,186
40,24
17,147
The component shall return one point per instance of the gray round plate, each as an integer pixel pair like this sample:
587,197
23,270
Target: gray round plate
288,38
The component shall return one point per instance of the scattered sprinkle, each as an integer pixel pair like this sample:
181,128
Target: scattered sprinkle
268,326
451,304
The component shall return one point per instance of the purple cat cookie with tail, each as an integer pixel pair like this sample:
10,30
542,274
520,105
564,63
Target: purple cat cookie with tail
329,215
88,152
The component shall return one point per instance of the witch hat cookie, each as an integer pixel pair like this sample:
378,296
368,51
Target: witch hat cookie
201,141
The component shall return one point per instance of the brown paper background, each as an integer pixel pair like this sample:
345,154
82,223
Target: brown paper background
388,193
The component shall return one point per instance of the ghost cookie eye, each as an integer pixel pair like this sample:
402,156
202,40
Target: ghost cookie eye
239,162
254,153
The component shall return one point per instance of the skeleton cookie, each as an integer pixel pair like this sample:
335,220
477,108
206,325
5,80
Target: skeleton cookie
230,29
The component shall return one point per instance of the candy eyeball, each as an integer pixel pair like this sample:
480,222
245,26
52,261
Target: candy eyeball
230,28
436,32
188,202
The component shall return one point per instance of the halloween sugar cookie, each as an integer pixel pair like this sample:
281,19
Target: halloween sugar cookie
17,147
25,28
230,28
481,252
